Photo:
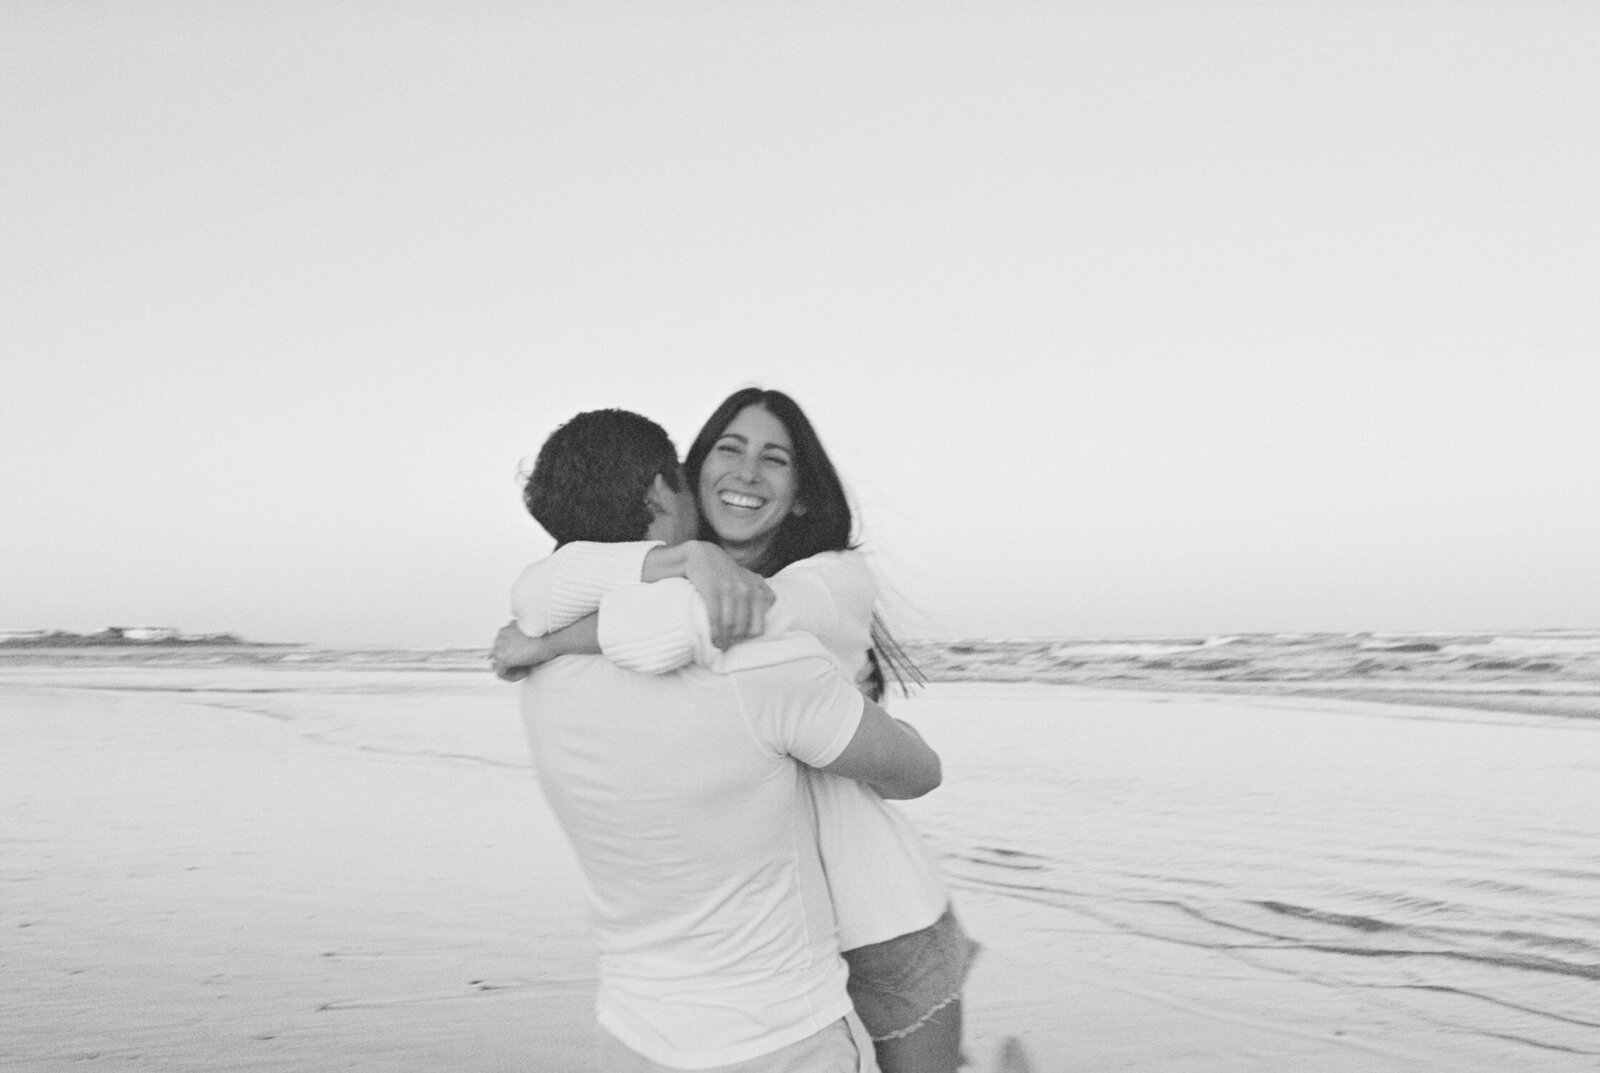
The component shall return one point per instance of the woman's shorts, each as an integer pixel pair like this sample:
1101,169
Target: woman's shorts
898,984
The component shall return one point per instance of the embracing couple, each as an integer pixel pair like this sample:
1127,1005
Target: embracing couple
718,757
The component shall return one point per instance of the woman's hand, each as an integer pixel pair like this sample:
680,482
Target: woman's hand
515,653
736,599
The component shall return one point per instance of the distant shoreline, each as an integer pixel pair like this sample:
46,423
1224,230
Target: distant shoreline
1539,673
114,638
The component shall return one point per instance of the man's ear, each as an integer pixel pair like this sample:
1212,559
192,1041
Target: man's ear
658,497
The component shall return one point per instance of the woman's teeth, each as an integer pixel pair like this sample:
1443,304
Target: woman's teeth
739,499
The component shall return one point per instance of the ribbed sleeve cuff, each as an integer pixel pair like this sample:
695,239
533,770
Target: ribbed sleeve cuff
655,628
560,590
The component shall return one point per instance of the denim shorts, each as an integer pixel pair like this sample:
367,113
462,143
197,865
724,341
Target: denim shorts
898,984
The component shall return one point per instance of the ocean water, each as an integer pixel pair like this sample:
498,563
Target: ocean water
1390,841
1426,877
1555,671
1422,875
1547,670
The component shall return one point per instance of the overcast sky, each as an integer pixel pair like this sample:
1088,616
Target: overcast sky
1119,318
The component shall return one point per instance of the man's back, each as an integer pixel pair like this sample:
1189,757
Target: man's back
682,798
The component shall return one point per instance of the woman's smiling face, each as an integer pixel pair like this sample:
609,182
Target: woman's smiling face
748,483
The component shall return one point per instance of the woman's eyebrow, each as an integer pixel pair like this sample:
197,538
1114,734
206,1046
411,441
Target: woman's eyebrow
768,446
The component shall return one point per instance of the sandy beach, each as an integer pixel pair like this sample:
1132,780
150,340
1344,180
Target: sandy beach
349,866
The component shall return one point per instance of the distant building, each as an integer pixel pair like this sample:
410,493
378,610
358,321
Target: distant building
143,633
22,635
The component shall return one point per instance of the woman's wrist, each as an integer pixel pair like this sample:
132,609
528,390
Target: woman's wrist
677,560
660,563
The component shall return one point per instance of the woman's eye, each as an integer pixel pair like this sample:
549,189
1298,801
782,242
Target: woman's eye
727,449
776,460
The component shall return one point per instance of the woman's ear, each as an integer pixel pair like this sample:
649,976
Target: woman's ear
798,509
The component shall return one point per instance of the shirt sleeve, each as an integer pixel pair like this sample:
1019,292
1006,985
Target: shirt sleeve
795,698
830,596
662,626
559,590
656,627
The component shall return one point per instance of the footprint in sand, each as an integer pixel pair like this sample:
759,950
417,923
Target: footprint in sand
1012,1057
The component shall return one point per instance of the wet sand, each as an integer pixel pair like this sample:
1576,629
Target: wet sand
251,868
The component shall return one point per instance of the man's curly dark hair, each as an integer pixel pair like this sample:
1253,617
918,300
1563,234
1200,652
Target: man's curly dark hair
593,474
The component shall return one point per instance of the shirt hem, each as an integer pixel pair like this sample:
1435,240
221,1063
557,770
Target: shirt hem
730,1055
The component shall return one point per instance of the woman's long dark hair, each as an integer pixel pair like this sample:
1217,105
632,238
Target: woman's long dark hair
825,525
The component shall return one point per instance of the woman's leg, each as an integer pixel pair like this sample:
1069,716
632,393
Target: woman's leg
932,1047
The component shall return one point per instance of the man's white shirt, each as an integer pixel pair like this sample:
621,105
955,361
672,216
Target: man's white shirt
684,800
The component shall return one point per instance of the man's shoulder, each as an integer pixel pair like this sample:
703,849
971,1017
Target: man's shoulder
766,654
786,671
784,662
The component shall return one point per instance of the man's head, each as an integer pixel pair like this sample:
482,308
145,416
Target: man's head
609,476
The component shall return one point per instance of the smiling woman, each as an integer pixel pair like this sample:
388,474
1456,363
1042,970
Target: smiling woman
747,484
766,486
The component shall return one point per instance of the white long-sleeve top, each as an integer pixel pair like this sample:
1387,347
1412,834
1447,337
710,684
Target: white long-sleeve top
881,876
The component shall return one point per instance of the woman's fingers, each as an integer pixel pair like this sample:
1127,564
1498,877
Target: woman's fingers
746,608
731,614
736,602
761,600
515,651
735,612
717,613
727,614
